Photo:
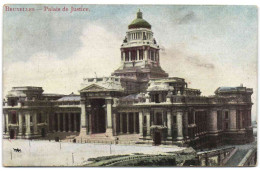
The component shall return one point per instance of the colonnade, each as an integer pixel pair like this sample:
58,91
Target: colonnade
64,122
130,120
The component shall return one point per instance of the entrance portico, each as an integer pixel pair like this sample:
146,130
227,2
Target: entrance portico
98,102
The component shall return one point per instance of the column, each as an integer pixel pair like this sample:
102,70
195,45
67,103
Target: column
47,121
69,122
145,54
232,119
130,58
241,119
137,52
169,123
7,123
134,123
35,130
109,115
148,123
114,124
121,123
141,123
90,123
75,122
28,124
186,128
194,113
124,56
58,116
20,115
127,122
87,121
179,125
64,122
83,116
213,121
53,123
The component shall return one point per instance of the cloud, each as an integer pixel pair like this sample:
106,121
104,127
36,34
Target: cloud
97,54
190,16
199,63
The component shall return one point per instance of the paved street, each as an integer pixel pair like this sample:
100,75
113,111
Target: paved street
45,153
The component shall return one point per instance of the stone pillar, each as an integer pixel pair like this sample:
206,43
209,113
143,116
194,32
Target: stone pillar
64,122
83,117
194,114
75,122
69,121
58,116
114,124
134,123
179,125
137,52
169,123
47,121
28,124
241,119
35,128
109,116
148,123
121,123
232,120
186,123
141,123
53,123
145,55
127,122
124,56
7,123
213,121
20,115
90,123
130,58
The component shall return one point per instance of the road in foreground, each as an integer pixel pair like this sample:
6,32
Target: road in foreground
45,153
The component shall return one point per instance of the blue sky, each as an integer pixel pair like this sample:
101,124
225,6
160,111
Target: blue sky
209,46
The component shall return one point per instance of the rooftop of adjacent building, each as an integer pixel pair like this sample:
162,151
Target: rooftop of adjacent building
70,97
238,89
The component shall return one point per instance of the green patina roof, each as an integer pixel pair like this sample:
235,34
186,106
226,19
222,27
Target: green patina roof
139,22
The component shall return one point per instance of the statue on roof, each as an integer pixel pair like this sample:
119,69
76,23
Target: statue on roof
125,40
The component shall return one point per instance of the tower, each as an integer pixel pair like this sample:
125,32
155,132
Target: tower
140,57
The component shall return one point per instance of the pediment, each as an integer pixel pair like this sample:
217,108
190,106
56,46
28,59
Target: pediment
93,88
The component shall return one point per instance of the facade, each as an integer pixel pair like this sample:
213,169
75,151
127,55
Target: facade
139,102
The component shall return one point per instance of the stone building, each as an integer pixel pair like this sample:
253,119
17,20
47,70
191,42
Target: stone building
139,102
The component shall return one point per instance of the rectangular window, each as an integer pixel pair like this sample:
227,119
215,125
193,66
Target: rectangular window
126,56
226,114
219,120
174,120
190,118
226,125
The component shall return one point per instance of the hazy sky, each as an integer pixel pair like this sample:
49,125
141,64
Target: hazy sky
209,46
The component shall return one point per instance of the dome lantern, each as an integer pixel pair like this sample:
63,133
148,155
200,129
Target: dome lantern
139,22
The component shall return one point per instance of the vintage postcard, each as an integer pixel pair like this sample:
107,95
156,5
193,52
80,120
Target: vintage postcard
129,85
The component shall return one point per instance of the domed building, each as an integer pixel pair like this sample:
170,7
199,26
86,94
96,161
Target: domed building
138,103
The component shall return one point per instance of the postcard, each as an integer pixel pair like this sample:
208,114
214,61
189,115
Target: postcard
129,85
